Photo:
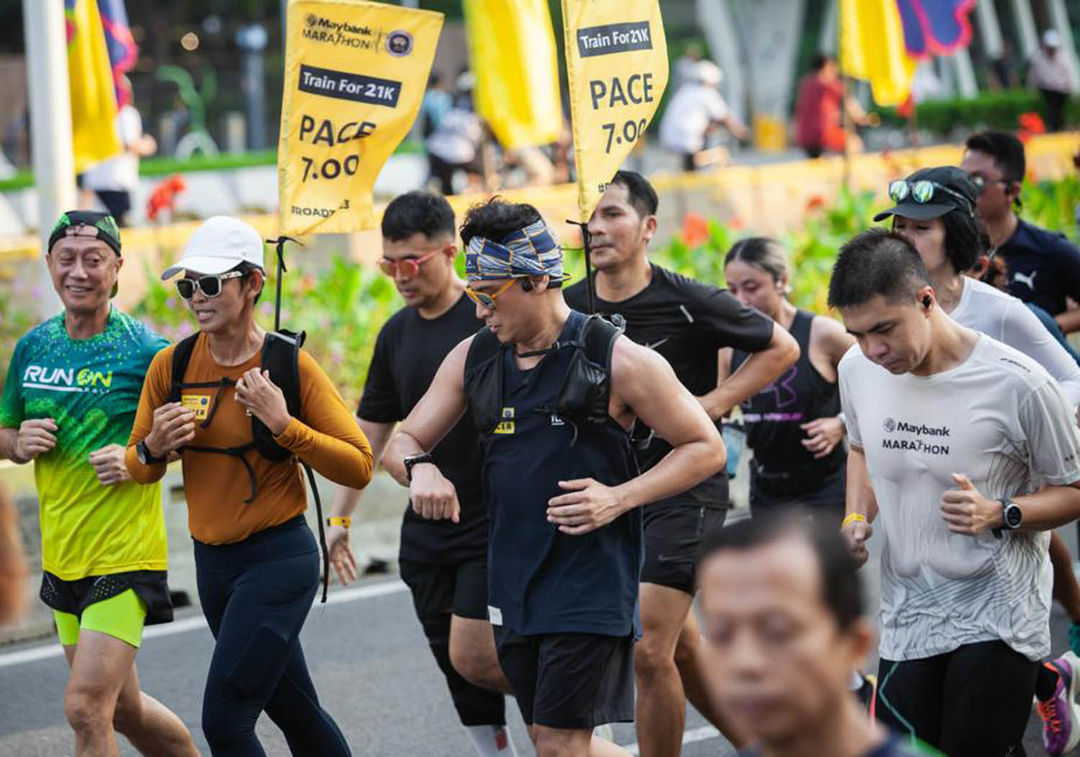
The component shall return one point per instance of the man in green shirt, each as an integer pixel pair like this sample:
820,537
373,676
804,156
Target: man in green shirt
68,404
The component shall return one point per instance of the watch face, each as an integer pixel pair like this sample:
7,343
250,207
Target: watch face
1013,516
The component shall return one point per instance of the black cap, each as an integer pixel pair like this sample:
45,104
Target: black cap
103,224
950,177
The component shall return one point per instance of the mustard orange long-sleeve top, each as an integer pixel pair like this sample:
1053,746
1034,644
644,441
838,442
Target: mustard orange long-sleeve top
216,485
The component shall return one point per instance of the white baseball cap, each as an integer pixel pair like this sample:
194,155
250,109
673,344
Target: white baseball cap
707,72
219,244
1051,38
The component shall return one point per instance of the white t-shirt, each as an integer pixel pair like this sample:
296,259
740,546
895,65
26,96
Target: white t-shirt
119,173
458,137
691,110
998,418
1007,319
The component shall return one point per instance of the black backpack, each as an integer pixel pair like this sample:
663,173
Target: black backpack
585,392
281,357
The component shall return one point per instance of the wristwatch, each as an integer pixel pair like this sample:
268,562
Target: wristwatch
144,454
414,460
1011,515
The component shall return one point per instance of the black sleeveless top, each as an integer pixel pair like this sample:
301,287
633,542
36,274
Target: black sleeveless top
540,580
781,465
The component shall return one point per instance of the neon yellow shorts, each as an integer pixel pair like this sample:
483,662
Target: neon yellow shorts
121,617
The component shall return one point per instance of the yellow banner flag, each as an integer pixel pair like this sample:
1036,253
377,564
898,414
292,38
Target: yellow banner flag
617,66
512,51
93,97
355,73
872,48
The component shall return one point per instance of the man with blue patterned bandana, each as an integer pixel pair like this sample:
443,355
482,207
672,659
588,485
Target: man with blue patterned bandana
562,490
69,401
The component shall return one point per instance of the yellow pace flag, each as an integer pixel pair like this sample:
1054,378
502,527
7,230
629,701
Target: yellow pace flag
93,97
355,73
617,66
872,48
512,52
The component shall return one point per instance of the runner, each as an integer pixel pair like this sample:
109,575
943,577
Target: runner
785,619
793,425
949,430
934,211
554,395
687,322
1043,265
68,404
444,563
256,561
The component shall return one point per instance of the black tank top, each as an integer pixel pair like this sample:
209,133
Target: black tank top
781,465
541,580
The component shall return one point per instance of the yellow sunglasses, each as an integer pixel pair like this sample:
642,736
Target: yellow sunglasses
485,300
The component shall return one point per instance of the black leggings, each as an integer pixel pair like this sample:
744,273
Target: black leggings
972,702
255,595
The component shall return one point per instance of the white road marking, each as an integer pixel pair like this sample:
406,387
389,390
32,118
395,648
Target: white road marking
44,652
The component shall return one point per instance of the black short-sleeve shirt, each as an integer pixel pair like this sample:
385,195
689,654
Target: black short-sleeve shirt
408,353
1044,267
688,322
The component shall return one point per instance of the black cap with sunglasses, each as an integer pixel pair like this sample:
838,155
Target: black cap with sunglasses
931,193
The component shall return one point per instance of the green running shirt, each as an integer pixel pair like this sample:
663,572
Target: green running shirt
90,388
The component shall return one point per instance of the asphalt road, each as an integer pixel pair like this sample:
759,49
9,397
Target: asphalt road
370,663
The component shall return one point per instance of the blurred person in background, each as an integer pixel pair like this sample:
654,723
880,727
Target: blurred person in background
461,142
13,569
1050,72
819,121
696,110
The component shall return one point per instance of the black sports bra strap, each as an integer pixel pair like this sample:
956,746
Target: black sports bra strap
240,453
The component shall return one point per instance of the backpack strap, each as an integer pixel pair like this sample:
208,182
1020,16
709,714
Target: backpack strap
484,380
181,356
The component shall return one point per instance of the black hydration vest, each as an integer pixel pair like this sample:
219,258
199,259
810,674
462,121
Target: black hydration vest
281,357
585,392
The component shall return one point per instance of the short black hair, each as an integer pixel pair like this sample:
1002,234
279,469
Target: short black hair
964,239
640,192
497,218
247,269
876,262
819,60
1006,149
417,212
840,588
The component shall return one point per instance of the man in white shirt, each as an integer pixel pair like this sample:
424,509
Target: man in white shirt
696,109
1050,73
968,451
113,180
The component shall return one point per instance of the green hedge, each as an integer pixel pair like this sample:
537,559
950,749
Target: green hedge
992,110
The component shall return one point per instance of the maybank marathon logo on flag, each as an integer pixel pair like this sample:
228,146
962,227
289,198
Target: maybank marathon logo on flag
358,36
66,379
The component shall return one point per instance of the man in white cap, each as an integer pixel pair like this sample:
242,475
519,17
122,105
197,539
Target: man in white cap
1051,73
696,109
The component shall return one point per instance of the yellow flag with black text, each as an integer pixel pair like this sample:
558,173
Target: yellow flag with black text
355,73
617,66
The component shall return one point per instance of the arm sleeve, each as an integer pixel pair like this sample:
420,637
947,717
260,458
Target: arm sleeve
154,391
847,406
330,441
12,410
1052,435
1023,329
380,401
726,322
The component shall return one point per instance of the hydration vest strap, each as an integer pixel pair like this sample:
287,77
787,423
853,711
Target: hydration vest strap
322,530
240,453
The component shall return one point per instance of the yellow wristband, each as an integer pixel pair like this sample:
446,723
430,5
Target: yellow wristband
853,518
345,522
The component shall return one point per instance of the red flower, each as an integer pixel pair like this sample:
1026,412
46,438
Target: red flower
695,230
815,203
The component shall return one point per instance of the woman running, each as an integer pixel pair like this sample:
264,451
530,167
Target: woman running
793,425
212,400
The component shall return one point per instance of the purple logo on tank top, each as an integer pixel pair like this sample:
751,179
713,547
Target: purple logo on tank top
783,393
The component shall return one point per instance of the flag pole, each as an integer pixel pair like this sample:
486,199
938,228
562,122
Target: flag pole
51,147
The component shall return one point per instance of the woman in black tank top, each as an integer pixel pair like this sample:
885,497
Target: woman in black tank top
794,425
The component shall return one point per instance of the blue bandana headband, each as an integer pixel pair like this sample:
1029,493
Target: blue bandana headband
532,251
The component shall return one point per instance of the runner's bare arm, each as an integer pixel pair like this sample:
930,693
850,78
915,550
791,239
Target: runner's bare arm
378,434
32,438
860,500
967,511
757,372
433,416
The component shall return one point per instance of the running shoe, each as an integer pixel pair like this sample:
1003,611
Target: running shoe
1061,719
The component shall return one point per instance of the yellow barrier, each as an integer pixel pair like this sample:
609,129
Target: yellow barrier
768,198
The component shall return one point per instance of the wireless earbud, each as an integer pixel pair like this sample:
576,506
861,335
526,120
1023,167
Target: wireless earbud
526,285
926,301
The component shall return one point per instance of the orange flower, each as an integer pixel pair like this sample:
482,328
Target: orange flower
815,203
695,230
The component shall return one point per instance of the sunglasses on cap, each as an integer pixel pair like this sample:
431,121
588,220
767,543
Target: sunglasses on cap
210,286
408,267
485,300
922,191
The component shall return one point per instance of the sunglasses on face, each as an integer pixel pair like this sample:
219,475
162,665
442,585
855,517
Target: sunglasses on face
981,182
485,300
210,286
408,267
921,191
